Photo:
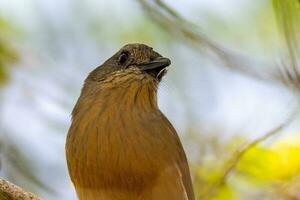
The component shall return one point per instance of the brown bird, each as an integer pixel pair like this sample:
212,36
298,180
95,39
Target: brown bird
120,146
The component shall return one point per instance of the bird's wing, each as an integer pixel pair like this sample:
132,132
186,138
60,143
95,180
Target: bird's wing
182,165
168,186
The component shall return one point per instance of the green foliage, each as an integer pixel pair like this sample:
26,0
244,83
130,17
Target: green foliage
259,164
208,172
8,55
225,193
260,167
279,163
145,31
257,28
139,30
288,17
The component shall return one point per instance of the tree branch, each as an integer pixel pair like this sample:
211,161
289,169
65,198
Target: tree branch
285,73
234,161
9,191
174,23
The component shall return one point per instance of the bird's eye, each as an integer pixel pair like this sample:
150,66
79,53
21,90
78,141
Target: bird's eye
123,58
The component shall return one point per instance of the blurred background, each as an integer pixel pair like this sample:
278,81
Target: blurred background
232,91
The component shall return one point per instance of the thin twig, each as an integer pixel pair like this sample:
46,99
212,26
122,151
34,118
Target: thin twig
234,161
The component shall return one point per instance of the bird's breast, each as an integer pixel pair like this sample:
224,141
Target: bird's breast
115,145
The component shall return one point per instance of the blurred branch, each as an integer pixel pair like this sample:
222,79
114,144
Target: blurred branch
23,165
9,191
234,161
288,16
170,20
20,166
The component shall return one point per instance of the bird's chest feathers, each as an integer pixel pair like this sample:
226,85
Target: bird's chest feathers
118,140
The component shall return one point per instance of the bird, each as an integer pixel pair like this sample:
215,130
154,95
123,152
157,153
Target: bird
120,146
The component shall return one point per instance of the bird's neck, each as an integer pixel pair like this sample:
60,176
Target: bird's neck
130,93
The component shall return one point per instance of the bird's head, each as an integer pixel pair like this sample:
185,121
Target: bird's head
138,58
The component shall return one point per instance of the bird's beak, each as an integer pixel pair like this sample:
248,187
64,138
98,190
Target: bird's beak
158,63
